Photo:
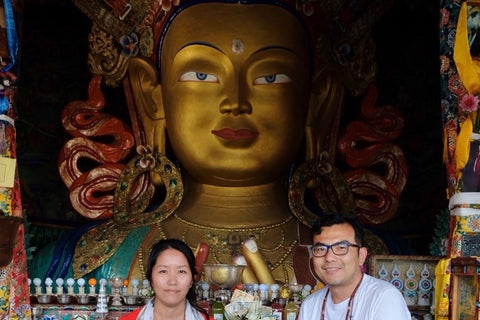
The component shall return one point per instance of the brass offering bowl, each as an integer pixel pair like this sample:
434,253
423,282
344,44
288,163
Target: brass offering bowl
44,298
64,298
131,300
223,275
83,299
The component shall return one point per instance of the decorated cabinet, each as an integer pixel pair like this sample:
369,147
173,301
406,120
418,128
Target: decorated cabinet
465,285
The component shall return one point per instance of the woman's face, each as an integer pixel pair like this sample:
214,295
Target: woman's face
235,86
171,278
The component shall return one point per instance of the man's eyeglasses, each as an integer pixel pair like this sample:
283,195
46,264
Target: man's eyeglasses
338,248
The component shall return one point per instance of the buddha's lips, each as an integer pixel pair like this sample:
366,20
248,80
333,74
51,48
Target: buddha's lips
232,134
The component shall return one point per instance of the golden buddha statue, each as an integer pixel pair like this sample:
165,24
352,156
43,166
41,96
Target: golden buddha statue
235,105
235,92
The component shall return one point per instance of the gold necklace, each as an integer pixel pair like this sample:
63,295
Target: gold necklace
225,242
250,229
218,238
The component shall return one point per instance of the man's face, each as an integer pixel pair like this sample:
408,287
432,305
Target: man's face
337,270
235,86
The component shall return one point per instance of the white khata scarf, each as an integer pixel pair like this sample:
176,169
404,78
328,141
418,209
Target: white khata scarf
190,313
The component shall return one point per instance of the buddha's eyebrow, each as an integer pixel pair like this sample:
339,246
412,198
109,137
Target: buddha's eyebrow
206,44
274,47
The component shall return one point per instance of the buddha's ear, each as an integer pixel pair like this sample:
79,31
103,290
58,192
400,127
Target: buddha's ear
147,96
324,110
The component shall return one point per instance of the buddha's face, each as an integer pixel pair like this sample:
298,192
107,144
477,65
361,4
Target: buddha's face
235,87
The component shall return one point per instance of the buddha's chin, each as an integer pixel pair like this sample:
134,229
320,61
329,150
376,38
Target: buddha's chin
237,179
234,173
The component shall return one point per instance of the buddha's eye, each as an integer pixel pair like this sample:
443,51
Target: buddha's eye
274,78
198,76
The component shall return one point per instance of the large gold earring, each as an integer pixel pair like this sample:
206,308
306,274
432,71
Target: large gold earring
99,244
330,191
128,213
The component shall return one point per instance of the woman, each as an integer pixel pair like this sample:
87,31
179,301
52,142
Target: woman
171,270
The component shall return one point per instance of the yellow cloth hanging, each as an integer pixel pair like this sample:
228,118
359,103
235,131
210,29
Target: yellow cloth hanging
462,147
442,289
467,68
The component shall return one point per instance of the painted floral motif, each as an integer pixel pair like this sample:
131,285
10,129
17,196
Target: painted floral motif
451,87
167,4
469,104
130,45
7,80
473,223
306,6
3,300
146,42
455,85
147,160
444,63
324,165
445,16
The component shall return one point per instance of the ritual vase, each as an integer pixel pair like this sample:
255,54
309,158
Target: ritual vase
465,224
410,297
424,298
10,226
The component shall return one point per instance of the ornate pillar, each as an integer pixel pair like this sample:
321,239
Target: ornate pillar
14,290
460,88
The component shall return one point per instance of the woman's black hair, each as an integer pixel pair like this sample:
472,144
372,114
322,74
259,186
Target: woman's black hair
181,246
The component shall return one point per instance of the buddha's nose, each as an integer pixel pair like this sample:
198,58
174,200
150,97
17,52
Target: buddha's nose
236,102
236,108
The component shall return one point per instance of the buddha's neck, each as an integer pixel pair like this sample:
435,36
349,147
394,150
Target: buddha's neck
234,206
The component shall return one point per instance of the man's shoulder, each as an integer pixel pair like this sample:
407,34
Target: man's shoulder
379,283
379,287
312,298
375,287
381,297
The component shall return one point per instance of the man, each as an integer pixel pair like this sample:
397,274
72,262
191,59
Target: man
338,254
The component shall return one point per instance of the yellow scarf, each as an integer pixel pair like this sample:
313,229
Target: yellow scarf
442,288
468,71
